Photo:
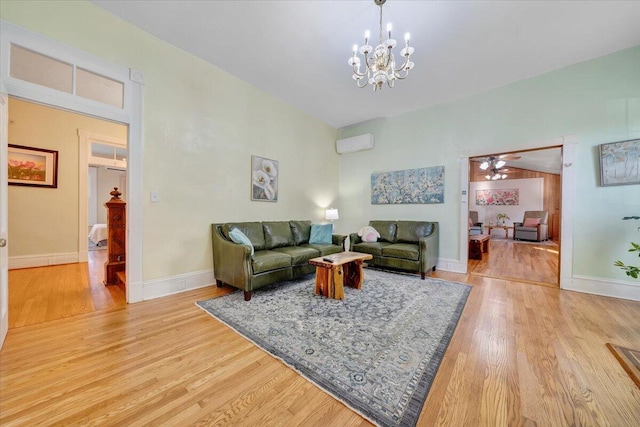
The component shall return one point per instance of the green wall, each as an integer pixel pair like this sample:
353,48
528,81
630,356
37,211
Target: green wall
597,101
201,126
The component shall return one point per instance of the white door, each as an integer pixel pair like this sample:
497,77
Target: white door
4,250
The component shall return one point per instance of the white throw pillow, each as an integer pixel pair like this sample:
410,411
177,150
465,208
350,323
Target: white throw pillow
368,234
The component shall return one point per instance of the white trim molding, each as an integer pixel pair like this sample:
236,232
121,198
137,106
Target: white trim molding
175,284
42,260
453,265
604,287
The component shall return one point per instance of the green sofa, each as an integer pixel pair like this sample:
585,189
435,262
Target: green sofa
403,245
282,252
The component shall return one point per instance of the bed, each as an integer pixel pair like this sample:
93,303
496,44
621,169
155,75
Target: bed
98,234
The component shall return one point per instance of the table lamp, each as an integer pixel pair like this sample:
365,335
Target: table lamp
331,215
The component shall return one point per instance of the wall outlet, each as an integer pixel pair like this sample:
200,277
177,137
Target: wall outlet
155,197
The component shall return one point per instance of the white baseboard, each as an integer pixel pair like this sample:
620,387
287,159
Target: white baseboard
42,260
157,288
604,287
452,265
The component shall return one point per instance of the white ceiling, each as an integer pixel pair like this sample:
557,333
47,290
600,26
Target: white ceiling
298,50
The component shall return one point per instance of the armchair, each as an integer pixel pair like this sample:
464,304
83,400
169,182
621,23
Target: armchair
475,227
533,226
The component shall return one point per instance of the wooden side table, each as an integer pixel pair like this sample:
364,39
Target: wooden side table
335,271
478,244
506,229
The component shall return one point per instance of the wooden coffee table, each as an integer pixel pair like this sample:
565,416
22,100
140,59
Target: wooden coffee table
335,271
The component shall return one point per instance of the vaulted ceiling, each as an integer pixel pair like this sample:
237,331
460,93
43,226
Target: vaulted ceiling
298,50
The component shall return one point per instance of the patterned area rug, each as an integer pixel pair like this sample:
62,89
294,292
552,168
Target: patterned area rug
377,351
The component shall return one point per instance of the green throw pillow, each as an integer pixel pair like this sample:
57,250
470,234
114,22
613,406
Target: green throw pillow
321,234
239,237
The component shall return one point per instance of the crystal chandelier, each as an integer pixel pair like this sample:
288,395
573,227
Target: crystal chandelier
381,67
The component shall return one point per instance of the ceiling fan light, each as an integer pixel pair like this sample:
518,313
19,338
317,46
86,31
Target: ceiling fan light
504,176
500,163
487,176
484,166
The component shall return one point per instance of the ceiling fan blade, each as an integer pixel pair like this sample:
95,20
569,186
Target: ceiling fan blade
509,157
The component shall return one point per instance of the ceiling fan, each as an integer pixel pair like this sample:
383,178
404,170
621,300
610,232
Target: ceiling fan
495,165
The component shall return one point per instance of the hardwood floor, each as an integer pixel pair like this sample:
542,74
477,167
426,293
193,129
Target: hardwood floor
43,294
521,261
521,355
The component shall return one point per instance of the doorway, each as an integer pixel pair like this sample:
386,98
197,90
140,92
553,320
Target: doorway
129,112
48,279
502,186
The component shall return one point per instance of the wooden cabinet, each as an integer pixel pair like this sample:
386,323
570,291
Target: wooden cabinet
116,240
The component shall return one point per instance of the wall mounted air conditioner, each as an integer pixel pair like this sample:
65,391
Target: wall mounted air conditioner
355,143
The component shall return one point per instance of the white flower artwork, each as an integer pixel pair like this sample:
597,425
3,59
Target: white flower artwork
264,179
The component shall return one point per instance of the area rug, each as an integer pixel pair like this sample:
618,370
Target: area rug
377,351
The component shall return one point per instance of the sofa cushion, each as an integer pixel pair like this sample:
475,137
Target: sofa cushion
238,236
412,231
269,260
387,230
373,248
277,234
253,230
321,234
402,250
301,231
324,249
299,254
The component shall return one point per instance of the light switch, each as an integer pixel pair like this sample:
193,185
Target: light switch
155,197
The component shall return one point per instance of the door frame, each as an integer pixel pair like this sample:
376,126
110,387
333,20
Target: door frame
567,177
130,114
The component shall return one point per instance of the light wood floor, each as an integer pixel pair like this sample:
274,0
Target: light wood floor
521,355
520,261
42,294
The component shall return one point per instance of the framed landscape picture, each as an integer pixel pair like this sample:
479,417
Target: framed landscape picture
33,167
264,179
620,163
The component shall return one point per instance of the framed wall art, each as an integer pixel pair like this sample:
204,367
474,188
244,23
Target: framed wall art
620,163
264,179
425,185
33,167
498,197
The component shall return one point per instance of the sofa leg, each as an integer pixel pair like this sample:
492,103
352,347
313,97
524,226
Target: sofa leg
219,283
247,295
422,275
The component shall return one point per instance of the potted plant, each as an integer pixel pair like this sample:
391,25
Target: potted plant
630,270
502,217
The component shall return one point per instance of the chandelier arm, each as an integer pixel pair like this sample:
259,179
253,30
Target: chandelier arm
406,61
356,72
364,85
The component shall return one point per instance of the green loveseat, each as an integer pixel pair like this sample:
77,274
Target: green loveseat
282,252
403,245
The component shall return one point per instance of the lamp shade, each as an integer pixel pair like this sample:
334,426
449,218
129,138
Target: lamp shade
331,214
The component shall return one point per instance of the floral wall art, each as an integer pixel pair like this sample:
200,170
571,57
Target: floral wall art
491,197
264,179
425,185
